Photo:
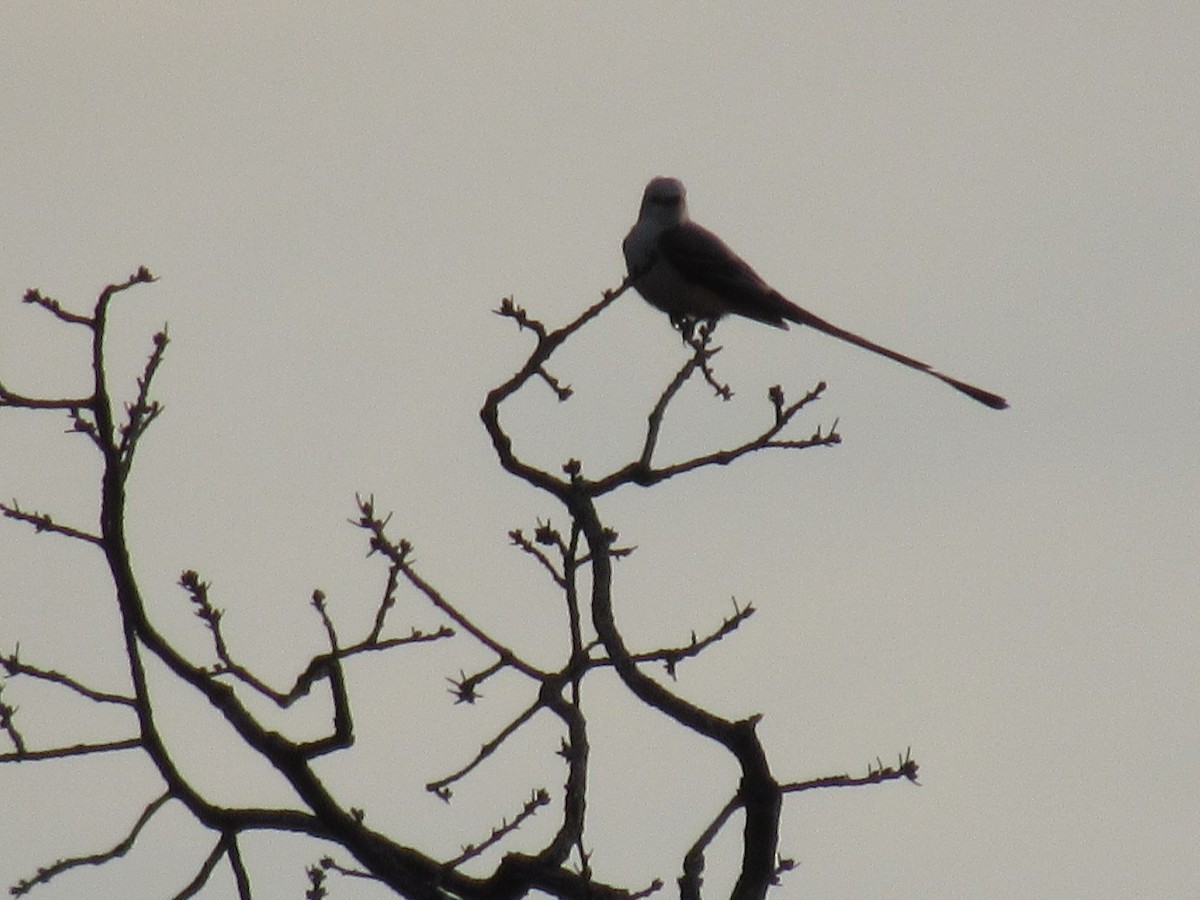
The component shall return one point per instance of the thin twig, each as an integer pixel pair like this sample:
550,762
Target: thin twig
9,727
42,522
386,602
210,863
143,411
240,876
441,787
672,656
906,767
13,666
470,851
317,669
73,750
329,865
398,554
518,538
466,687
95,859
646,476
37,298
11,398
343,726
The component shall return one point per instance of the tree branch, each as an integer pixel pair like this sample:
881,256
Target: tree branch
34,296
441,787
13,666
42,522
96,859
906,767
590,544
398,554
471,851
143,411
210,863
73,750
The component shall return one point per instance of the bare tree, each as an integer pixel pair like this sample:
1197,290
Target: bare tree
578,559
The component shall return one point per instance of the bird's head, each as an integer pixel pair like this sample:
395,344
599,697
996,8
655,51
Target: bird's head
664,201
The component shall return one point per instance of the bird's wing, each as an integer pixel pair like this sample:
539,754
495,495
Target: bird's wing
703,259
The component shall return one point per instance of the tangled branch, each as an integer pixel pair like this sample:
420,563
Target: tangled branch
577,560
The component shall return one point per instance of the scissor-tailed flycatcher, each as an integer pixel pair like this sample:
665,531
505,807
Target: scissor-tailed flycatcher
688,272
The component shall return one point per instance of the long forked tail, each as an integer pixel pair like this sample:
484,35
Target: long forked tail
803,317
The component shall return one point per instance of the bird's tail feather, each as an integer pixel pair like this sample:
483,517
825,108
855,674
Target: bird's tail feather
987,398
803,317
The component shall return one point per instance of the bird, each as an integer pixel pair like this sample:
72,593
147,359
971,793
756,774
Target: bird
689,273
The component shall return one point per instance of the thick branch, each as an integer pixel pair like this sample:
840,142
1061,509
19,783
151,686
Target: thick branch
759,792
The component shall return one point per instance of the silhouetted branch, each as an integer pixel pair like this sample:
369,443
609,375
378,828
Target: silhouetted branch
96,859
654,887
465,687
73,750
343,728
543,535
240,876
143,411
210,863
692,879
316,875
577,752
906,767
320,665
540,798
698,360
642,473
547,343
672,656
700,340
9,727
510,310
441,787
35,297
588,544
13,666
42,522
13,399
388,600
398,553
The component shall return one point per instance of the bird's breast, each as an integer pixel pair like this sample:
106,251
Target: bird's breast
663,287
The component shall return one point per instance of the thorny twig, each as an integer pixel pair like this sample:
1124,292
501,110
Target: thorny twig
470,851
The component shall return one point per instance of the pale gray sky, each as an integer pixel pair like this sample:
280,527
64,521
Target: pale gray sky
334,200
